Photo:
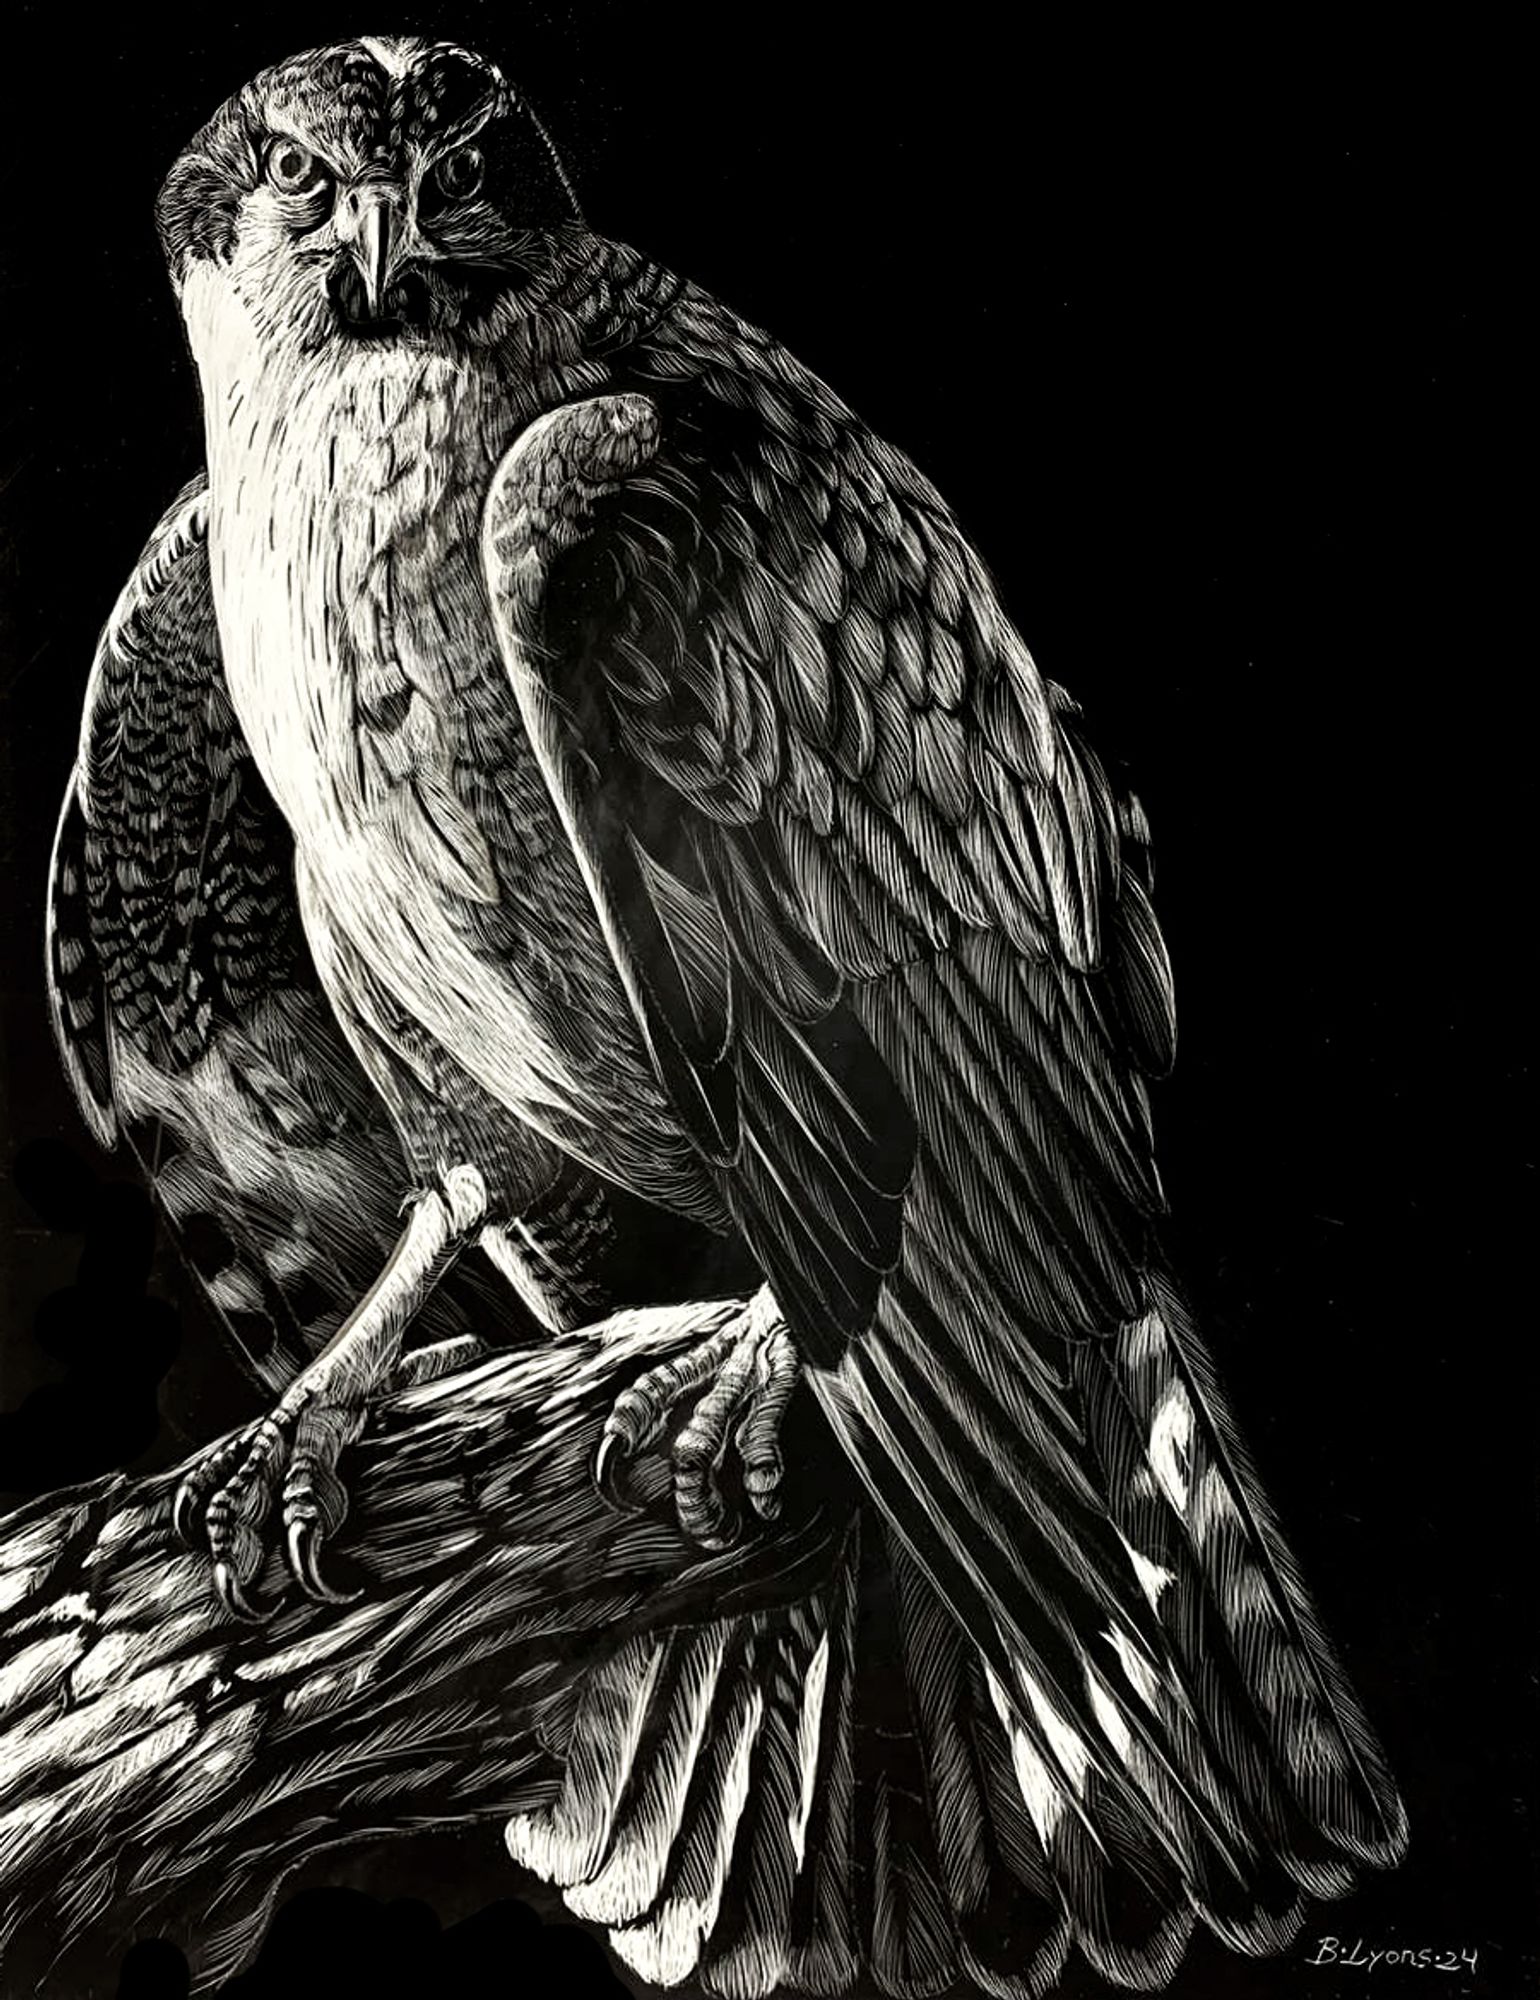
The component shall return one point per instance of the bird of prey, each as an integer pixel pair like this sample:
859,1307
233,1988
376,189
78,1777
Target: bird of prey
677,817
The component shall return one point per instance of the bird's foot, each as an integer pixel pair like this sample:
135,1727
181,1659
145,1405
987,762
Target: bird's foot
751,1368
288,1459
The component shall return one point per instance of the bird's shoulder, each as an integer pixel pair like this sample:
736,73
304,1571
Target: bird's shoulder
778,624
774,476
796,611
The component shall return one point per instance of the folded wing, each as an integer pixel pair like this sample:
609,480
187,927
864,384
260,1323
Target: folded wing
886,932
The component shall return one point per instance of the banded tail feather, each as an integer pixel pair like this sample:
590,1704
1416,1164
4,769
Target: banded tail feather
846,1794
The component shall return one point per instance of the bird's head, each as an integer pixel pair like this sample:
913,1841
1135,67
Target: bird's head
377,190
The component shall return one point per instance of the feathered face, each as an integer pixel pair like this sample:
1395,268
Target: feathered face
377,191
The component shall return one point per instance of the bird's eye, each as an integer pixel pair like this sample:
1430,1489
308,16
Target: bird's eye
459,175
293,168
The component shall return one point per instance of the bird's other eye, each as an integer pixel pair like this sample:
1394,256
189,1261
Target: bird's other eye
458,175
293,168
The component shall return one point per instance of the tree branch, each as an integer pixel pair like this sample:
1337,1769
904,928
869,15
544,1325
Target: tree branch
162,1766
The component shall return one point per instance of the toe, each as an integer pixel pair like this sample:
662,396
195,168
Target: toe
315,1501
701,1447
446,1357
759,1434
762,1470
303,1544
703,1512
312,1489
243,1481
198,1487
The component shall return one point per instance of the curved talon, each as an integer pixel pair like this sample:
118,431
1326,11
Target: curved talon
304,1545
232,1595
186,1515
612,1456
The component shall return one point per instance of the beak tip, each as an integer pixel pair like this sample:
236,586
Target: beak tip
373,245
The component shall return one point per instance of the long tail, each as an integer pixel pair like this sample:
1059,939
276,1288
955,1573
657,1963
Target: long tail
746,1803
843,1793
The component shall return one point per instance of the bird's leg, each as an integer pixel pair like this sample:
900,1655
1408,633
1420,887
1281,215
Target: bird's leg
291,1454
747,1370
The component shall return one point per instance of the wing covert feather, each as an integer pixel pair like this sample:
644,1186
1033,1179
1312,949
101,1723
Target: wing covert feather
778,685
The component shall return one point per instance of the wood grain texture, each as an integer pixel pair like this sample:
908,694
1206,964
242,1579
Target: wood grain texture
162,1767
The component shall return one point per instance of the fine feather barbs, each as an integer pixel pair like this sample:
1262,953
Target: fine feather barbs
561,738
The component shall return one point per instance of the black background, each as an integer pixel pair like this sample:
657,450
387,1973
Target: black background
1205,338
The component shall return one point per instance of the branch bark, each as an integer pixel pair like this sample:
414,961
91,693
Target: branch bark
162,1766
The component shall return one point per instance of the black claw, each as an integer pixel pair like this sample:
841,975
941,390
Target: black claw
187,1516
305,1560
610,1461
232,1595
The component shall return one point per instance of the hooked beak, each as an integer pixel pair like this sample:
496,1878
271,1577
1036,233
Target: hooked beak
369,223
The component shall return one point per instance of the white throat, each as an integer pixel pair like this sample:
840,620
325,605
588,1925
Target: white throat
323,467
